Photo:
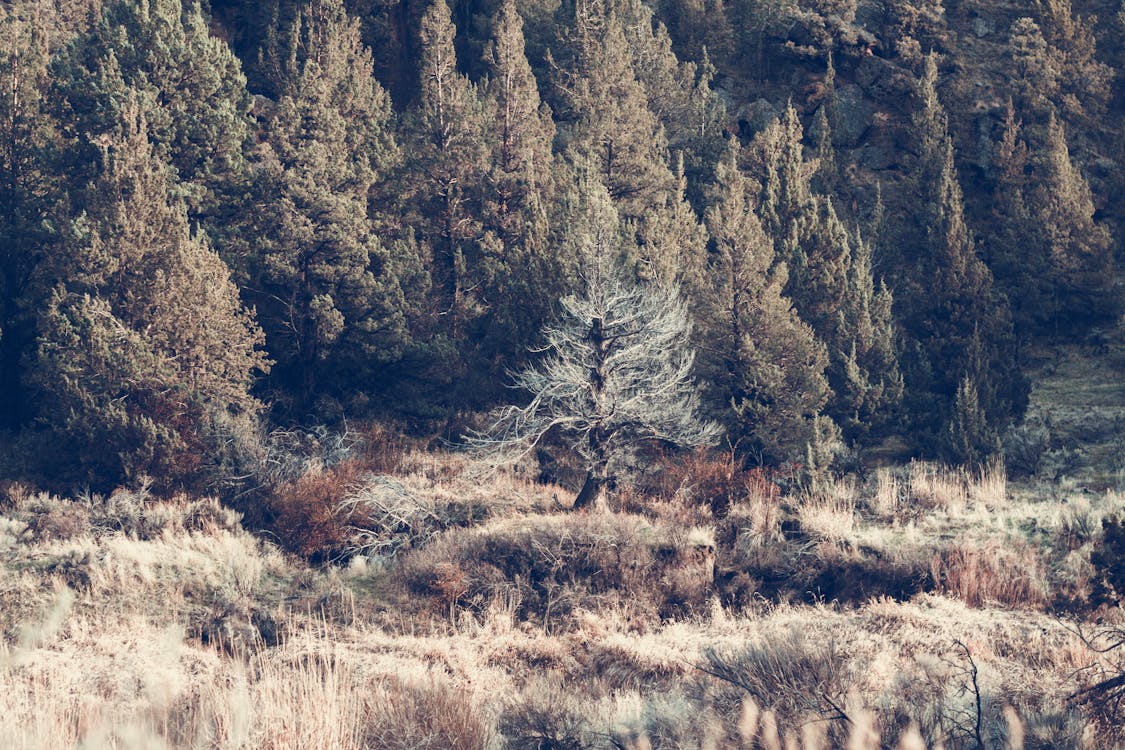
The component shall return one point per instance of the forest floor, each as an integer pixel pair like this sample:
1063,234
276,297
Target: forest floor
915,607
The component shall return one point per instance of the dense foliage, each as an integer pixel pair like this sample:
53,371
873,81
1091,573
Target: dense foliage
869,212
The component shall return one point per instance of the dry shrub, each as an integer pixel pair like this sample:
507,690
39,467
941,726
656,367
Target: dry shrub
828,513
431,716
784,673
547,714
716,479
557,563
980,573
884,500
933,487
1108,559
60,521
305,513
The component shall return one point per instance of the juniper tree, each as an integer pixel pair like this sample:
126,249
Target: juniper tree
958,323
765,364
525,273
29,187
329,294
191,88
605,111
443,172
145,348
1079,248
616,370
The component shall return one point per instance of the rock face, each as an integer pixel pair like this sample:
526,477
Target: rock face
756,117
850,116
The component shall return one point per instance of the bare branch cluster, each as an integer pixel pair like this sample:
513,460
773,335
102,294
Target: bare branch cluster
617,370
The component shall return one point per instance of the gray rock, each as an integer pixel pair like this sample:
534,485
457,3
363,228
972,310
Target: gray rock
877,157
852,116
756,117
982,27
883,80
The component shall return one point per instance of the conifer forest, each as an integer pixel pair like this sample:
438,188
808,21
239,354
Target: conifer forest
562,374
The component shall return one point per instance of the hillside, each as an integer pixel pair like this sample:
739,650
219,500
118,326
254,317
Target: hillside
480,614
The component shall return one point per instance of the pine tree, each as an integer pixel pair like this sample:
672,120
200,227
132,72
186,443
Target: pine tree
145,349
1080,249
765,364
445,167
190,86
605,111
328,293
679,93
959,324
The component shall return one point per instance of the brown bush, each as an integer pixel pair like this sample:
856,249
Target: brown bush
60,520
982,573
305,514
785,673
555,564
426,717
716,479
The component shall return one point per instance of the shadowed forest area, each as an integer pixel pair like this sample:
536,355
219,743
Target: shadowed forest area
562,374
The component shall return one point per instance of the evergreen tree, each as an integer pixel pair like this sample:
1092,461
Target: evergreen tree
605,112
329,294
521,187
145,349
672,244
867,385
950,309
28,191
1015,245
765,364
833,290
445,168
192,92
1080,249
786,201
679,93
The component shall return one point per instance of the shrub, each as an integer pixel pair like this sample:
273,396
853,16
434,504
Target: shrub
717,480
1108,559
305,514
1025,449
983,573
546,715
555,564
784,673
431,716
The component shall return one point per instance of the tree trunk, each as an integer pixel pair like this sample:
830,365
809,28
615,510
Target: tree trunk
590,491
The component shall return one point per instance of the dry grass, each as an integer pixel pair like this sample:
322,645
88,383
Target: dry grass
130,623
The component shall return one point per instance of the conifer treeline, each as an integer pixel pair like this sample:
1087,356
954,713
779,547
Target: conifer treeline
205,209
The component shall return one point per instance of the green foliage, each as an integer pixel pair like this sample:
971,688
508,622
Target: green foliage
523,272
764,363
969,438
329,294
604,108
950,310
28,193
445,167
190,88
145,349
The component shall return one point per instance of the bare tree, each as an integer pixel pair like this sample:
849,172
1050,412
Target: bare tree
616,373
